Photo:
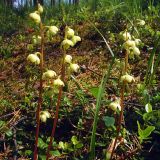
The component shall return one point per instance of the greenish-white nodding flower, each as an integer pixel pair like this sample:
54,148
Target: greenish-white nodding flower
76,39
66,43
53,30
74,67
69,32
40,8
136,51
68,59
115,105
58,82
130,43
49,74
44,115
35,16
126,36
33,58
127,78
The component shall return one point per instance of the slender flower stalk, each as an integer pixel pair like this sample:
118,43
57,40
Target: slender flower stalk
40,99
120,118
122,106
57,106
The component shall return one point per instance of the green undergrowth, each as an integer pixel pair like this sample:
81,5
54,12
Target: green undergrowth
85,101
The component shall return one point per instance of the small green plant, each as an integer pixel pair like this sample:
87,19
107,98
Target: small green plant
70,39
48,79
144,134
59,149
131,50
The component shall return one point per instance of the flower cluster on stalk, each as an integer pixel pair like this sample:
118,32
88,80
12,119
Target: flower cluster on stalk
70,40
131,44
51,80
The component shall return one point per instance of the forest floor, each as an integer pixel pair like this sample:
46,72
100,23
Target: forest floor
94,58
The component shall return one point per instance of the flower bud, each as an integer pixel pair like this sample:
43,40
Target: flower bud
68,59
76,39
141,22
33,58
69,32
44,115
53,30
58,82
36,17
127,78
137,42
40,8
36,39
66,43
74,67
114,105
126,36
49,74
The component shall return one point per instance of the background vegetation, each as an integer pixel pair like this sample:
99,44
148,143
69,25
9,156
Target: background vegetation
98,23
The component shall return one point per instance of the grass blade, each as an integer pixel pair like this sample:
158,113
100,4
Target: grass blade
99,97
98,106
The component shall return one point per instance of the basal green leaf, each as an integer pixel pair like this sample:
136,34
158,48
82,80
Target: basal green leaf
109,121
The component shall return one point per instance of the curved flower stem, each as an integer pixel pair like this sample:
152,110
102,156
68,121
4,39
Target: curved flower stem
40,99
122,107
57,107
119,120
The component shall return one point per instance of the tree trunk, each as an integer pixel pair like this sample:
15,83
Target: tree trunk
53,2
76,2
9,3
70,2
30,2
41,2
35,2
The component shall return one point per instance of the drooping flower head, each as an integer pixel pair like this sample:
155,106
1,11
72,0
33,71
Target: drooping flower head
44,115
74,67
40,8
76,39
35,16
66,44
49,74
69,32
58,82
53,30
115,105
127,78
68,59
33,58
